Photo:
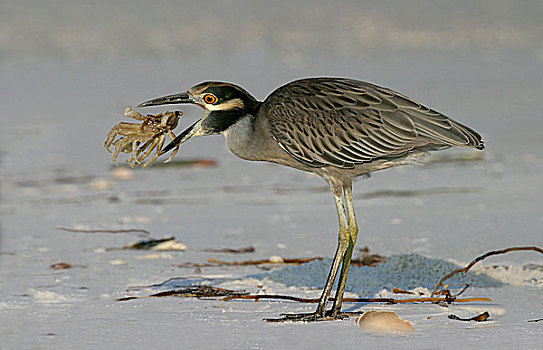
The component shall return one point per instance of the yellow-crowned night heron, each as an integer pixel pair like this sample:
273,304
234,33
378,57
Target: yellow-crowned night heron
336,128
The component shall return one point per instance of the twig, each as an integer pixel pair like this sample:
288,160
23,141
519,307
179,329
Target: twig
463,289
447,293
476,260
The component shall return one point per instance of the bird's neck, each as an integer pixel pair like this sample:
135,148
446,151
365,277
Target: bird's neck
249,138
240,137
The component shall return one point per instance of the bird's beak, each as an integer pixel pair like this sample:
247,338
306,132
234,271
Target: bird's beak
180,98
183,97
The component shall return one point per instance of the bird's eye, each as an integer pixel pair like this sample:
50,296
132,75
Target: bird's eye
210,99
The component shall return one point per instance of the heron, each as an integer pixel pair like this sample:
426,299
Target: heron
336,128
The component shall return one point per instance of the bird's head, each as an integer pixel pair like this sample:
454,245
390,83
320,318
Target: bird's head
224,104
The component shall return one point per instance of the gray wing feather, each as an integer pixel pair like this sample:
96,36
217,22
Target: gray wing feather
343,122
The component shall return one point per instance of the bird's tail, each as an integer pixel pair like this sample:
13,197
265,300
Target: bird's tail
441,130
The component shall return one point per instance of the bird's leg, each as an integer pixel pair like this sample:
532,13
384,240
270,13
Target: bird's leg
343,241
344,237
352,229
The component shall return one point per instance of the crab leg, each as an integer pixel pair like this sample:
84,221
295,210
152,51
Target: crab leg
159,144
119,145
146,148
149,150
174,152
129,112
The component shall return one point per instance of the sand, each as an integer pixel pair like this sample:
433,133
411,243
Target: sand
59,100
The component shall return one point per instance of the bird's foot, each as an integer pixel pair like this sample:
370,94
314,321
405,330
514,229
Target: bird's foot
314,317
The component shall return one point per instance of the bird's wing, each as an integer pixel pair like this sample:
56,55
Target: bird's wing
343,122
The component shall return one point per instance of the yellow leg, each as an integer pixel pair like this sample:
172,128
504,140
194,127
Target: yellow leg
352,232
343,242
346,240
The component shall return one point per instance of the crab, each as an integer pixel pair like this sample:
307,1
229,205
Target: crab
141,139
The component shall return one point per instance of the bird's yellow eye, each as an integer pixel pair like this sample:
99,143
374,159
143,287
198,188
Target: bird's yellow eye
210,99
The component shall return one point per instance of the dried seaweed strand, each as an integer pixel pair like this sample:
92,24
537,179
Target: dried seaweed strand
227,294
145,232
191,292
230,250
478,318
479,258
190,264
211,262
288,261
353,300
